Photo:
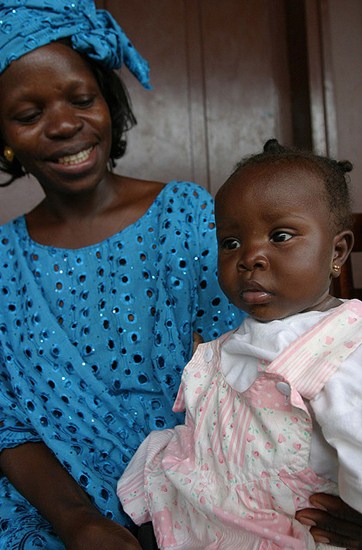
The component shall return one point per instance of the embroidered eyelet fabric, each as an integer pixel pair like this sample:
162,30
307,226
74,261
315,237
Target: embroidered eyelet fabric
93,342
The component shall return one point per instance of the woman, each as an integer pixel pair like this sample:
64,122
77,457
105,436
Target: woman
104,283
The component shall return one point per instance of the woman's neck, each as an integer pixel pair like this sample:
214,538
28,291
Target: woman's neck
83,220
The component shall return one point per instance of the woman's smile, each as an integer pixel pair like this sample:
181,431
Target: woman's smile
78,158
76,164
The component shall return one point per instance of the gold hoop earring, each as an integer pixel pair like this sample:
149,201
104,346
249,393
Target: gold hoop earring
9,154
336,268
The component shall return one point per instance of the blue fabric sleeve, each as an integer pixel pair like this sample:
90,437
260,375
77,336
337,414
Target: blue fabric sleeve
15,427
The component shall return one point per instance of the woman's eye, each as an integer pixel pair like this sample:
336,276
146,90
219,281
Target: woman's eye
281,236
27,118
230,244
84,102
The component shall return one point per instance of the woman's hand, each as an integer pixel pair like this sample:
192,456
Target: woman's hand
100,533
332,521
37,474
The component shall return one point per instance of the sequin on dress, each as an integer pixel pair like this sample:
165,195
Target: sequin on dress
93,342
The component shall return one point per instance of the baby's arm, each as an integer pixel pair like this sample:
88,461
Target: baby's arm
41,479
338,411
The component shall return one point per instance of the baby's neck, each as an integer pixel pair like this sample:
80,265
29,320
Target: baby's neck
329,303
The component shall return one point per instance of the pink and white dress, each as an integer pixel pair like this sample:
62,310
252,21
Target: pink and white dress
268,408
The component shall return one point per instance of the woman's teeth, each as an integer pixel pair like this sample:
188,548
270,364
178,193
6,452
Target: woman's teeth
76,159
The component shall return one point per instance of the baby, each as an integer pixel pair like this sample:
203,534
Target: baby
273,410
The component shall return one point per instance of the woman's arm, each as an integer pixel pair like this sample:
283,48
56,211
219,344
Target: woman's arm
41,479
333,521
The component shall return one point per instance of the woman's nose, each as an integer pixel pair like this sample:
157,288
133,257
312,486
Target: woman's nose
63,123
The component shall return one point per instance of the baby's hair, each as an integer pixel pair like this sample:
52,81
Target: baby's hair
116,96
332,172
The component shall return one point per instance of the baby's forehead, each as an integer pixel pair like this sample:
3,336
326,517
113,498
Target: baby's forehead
293,168
272,193
274,179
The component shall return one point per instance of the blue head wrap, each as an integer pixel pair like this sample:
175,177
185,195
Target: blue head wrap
28,24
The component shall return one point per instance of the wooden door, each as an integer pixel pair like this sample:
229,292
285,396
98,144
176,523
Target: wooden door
220,80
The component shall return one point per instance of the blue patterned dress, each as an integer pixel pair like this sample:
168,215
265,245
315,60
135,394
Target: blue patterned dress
93,342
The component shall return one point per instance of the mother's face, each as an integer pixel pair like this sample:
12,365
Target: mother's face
54,117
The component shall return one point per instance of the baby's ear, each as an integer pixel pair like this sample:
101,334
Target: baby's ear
343,244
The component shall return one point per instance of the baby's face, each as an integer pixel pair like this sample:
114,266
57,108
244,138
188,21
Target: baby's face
275,239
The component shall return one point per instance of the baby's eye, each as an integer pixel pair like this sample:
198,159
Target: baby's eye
230,243
281,236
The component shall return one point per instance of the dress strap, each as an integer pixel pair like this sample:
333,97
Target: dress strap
315,356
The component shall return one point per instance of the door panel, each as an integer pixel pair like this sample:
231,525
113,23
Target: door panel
246,81
220,85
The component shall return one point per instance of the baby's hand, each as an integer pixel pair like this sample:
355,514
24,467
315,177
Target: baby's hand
333,521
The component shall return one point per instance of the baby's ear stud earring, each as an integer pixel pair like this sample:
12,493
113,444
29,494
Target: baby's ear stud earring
9,154
336,268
